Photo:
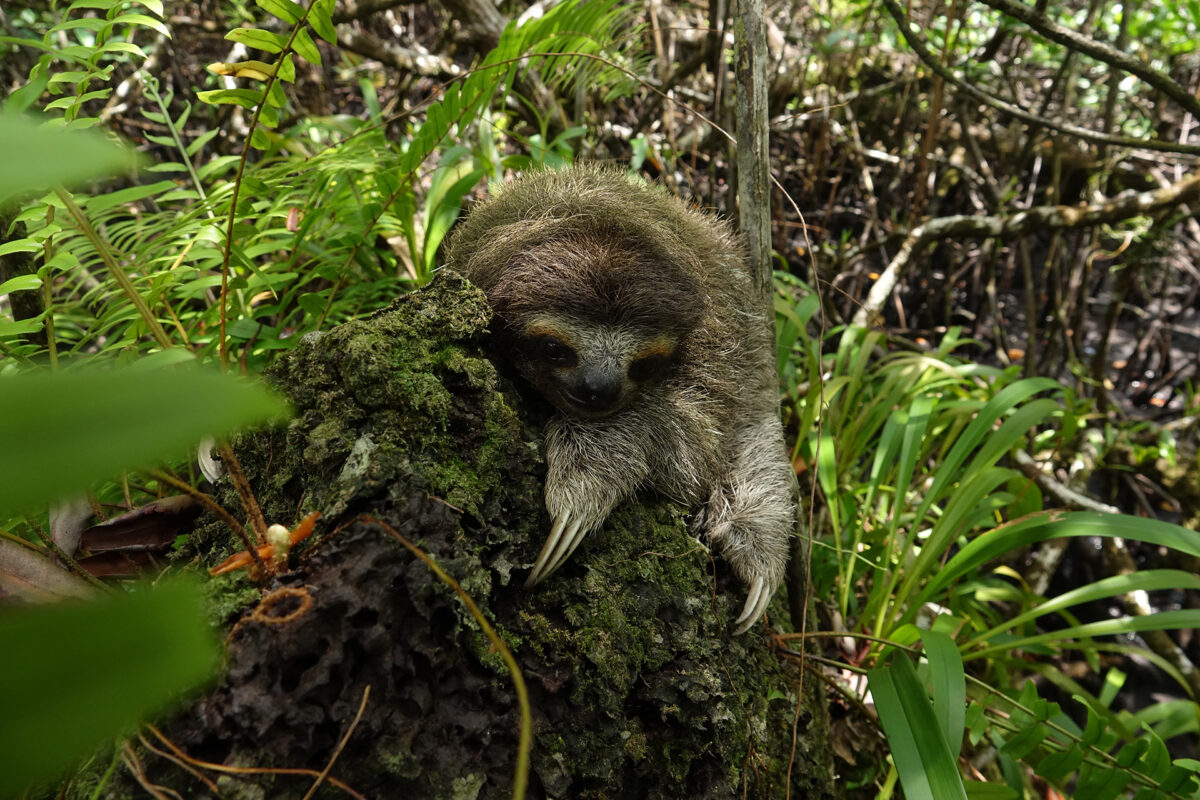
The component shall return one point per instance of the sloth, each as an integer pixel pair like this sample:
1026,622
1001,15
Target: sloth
636,317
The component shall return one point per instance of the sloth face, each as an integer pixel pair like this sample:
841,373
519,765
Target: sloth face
592,370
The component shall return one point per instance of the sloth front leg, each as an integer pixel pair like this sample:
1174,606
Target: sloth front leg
590,468
751,514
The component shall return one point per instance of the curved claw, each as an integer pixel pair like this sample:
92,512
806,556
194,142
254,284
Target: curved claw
756,603
571,538
537,574
565,536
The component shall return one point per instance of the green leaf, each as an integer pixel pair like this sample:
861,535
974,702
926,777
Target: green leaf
949,690
77,674
19,246
258,39
124,47
21,99
259,139
285,10
143,21
306,48
312,303
34,157
61,431
21,283
320,16
100,5
1145,581
287,69
990,791
928,769
10,329
1055,524
246,98
109,200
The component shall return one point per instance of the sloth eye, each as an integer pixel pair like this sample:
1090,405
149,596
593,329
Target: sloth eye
647,367
553,351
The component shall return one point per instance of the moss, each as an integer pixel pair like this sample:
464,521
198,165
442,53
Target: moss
637,686
466,787
229,595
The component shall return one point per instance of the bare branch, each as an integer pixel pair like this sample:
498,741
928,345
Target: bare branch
1097,50
1123,206
916,40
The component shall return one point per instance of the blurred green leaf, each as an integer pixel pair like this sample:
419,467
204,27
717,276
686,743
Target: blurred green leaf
35,158
59,432
76,674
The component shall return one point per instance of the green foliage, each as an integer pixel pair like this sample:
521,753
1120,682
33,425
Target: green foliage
34,158
298,249
64,430
1021,725
1101,767
96,43
75,674
920,746
268,99
911,452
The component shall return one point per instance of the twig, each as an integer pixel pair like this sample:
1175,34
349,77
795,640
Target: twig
197,774
1123,206
129,756
1097,50
214,507
916,40
337,751
249,501
227,770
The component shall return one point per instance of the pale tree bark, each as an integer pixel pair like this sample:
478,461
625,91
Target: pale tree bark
753,155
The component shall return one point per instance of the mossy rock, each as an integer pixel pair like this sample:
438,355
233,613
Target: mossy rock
638,687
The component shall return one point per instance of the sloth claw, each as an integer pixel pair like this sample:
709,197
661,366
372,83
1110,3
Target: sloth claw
565,536
756,603
547,549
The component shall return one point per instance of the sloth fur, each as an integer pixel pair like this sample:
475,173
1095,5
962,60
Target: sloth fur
637,317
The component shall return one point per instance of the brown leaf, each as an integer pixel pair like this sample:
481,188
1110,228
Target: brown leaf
153,526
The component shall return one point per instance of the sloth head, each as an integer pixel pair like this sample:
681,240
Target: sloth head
593,320
596,282
591,370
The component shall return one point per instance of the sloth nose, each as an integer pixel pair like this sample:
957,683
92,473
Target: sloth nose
601,392
598,390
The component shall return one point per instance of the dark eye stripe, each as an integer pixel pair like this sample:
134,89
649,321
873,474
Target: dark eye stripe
553,351
648,367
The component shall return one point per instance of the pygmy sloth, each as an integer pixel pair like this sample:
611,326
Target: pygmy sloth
636,316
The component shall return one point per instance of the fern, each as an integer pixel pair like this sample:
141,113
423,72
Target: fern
1042,737
100,43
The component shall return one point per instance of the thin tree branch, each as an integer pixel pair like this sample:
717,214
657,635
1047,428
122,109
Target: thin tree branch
1097,50
1123,206
916,40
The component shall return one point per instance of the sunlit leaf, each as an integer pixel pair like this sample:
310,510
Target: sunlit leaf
258,39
